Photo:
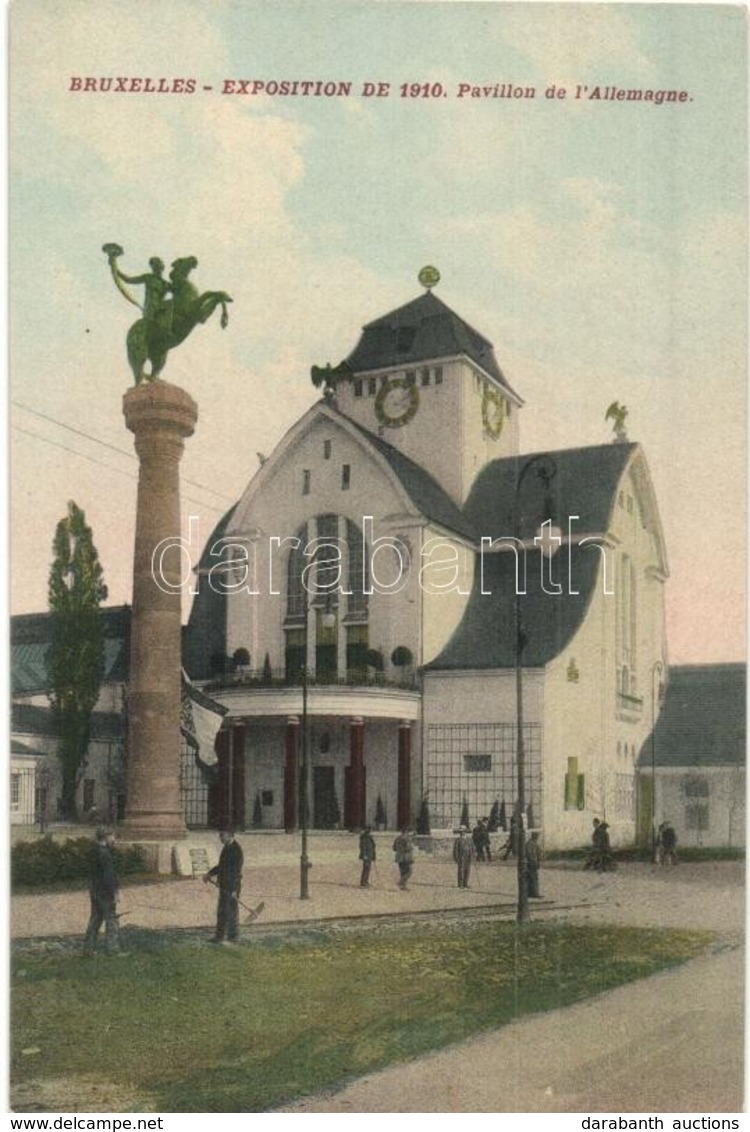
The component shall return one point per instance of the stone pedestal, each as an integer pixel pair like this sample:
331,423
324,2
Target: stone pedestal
161,416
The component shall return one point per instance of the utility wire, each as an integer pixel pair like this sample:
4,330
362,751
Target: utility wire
106,444
101,463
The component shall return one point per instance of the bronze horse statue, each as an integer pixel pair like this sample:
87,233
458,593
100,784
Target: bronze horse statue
165,322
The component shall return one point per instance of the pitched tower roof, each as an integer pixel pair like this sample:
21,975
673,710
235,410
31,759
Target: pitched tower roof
422,330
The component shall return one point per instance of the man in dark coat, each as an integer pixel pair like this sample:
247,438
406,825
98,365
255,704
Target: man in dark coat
533,860
366,855
103,891
462,855
228,875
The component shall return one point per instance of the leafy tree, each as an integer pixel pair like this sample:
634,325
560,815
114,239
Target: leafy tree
75,658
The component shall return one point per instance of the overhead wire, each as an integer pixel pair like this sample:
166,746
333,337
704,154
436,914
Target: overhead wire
112,447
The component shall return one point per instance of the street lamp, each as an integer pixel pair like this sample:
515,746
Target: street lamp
328,620
657,667
549,542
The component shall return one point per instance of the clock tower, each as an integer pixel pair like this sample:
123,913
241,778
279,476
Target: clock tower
429,384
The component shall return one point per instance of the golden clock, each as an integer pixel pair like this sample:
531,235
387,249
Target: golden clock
397,402
493,412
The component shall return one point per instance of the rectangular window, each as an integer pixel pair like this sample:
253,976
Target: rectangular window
346,476
326,449
477,764
438,375
266,798
571,785
372,386
358,387
356,652
695,786
425,375
411,377
15,790
294,655
306,481
696,815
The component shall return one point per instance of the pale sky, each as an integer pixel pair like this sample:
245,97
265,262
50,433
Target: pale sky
601,246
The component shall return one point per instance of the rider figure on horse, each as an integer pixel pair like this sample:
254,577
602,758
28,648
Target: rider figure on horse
164,322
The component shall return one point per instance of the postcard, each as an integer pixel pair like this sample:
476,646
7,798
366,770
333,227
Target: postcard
378,441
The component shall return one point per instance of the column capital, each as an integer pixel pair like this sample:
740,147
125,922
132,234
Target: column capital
356,721
292,721
404,724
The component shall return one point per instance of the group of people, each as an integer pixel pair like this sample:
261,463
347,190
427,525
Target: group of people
104,891
466,850
666,844
600,855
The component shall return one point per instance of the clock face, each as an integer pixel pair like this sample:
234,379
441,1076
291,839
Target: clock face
493,412
397,402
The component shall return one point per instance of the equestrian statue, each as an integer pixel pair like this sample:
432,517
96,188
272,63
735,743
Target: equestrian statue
164,322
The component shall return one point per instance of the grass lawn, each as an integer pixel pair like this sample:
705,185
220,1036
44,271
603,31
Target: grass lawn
190,1028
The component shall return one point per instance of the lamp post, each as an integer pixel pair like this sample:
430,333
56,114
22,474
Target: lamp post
657,667
304,861
329,619
545,470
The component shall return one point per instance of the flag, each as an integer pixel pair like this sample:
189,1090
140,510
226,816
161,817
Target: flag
200,720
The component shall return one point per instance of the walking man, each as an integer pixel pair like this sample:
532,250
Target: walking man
462,854
366,855
228,875
403,849
103,890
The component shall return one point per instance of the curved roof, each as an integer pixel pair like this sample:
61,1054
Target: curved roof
423,329
485,637
584,484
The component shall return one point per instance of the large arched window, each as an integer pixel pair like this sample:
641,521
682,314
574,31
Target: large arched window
327,602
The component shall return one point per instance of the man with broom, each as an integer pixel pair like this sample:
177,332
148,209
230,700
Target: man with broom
228,875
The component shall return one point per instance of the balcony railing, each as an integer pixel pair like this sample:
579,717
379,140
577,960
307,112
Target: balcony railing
279,678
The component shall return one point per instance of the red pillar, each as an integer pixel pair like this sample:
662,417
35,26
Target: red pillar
404,774
354,802
291,774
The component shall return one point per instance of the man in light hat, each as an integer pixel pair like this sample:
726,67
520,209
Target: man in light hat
462,854
103,891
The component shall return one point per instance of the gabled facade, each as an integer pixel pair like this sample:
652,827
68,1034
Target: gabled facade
372,552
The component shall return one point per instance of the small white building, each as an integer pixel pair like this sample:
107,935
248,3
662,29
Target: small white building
366,582
696,757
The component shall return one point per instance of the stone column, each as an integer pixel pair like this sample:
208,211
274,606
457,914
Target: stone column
291,773
404,774
161,416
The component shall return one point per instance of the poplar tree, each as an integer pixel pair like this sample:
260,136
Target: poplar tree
75,658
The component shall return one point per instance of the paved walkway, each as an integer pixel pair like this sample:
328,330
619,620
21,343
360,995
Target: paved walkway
671,1043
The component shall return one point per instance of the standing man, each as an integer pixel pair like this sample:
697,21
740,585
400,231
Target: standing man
668,844
228,875
103,890
462,854
366,855
404,853
533,860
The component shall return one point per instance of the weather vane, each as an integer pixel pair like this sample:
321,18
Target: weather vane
164,322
